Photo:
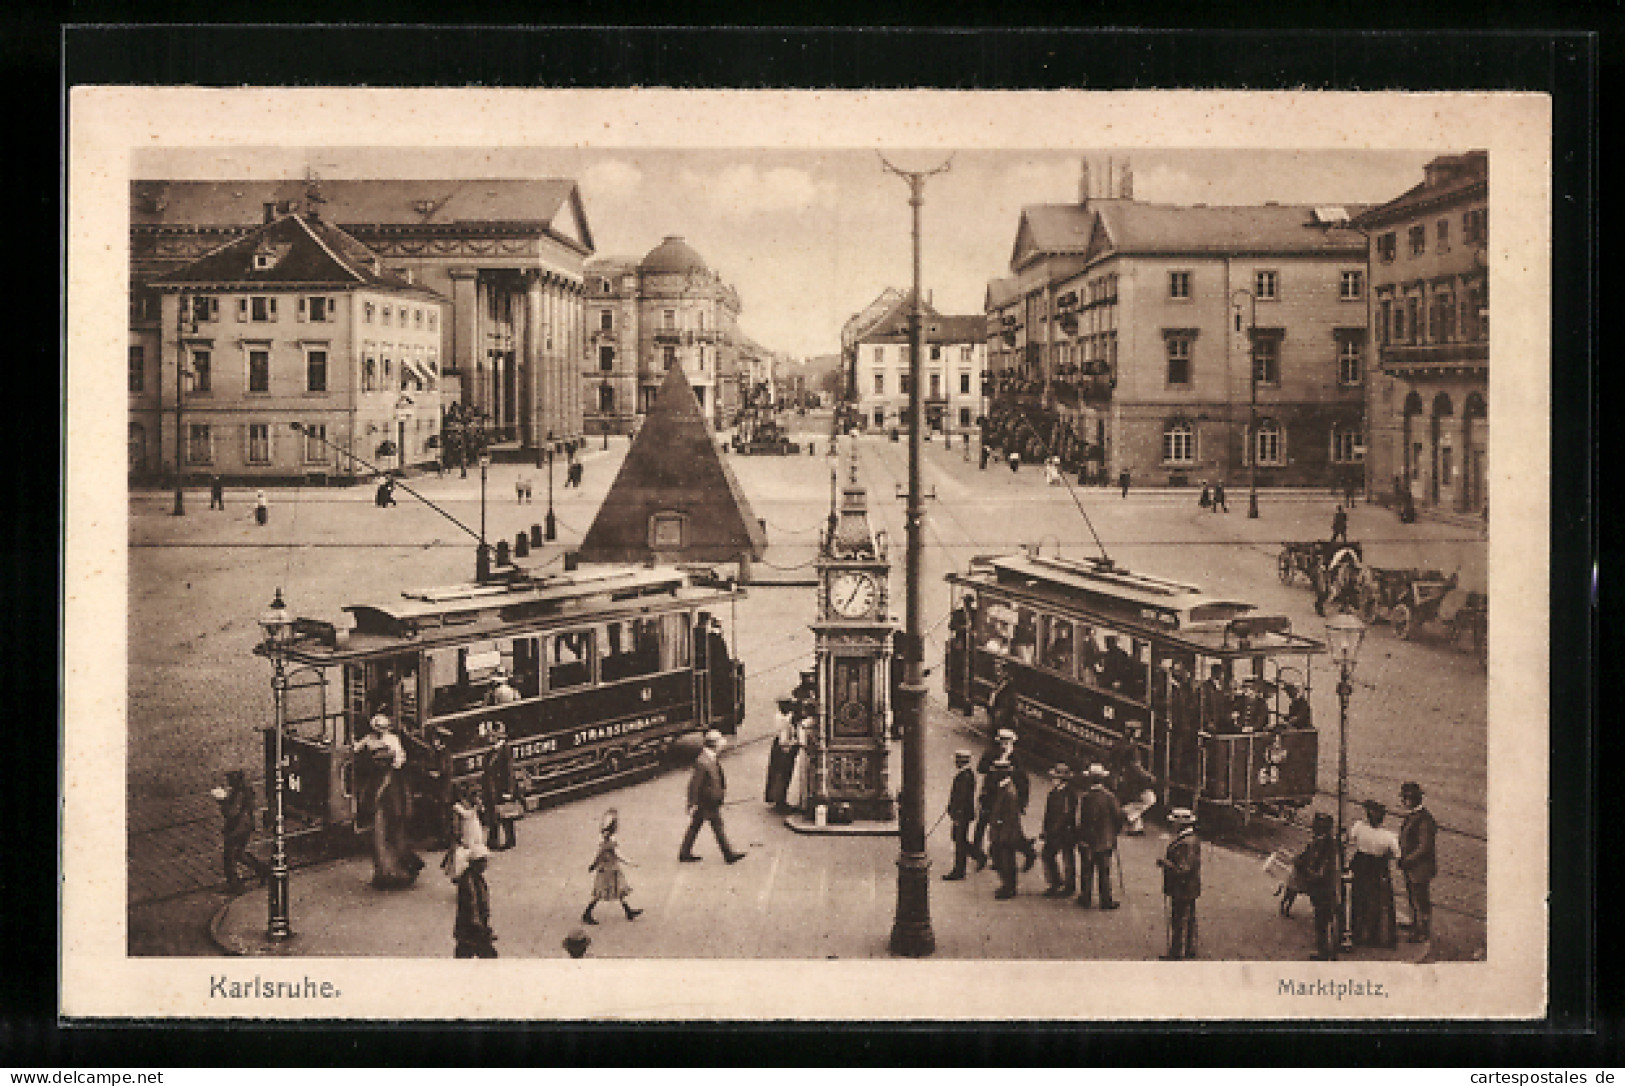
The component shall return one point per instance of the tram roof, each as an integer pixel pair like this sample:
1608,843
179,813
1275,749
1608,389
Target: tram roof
464,612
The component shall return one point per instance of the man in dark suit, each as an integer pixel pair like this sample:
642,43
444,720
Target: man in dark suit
499,786
1005,748
1182,883
707,788
1099,819
1215,700
1060,815
961,813
1007,835
1417,859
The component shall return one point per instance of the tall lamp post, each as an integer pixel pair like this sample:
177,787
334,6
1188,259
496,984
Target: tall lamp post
911,934
550,529
278,626
1344,632
1252,385
482,554
183,305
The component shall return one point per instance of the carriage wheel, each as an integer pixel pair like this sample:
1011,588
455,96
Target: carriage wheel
1404,622
1283,565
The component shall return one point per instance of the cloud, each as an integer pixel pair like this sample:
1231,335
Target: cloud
611,179
743,189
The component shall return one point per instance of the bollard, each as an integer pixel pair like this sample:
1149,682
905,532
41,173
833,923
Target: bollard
482,563
744,567
535,535
571,560
502,553
521,545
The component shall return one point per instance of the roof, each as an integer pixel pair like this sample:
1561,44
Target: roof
1001,292
552,204
306,251
1133,227
939,327
1466,177
673,256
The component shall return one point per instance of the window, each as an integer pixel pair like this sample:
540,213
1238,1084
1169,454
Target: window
668,320
1267,360
880,356
1351,287
1475,226
316,370
1385,247
1419,240
606,359
1264,284
259,369
1179,284
316,443
259,443
880,416
369,310
936,385
964,384
880,384
369,372
318,310
569,659
1385,319
389,312
966,354
417,318
261,309
1179,360
1346,447
1442,235
138,369
936,352
1179,443
434,319
629,649
388,382
1399,322
200,309
1350,360
904,383
964,417
1267,444
1056,645
1412,315
668,357
606,320
264,261
202,372
199,444
606,399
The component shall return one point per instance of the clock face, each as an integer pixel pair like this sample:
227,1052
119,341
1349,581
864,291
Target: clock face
852,594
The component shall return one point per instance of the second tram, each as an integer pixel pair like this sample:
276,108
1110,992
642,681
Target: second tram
1100,657
602,669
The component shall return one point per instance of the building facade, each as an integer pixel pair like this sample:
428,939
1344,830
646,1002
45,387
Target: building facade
953,370
294,323
646,316
1184,343
507,255
1428,402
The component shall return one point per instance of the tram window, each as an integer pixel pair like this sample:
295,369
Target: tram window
1088,654
569,663
674,640
1058,645
628,649
1114,667
1024,641
995,625
527,666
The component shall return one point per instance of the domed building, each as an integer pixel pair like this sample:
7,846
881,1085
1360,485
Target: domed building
646,316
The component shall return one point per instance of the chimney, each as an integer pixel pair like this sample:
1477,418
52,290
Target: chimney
1128,181
1083,182
269,210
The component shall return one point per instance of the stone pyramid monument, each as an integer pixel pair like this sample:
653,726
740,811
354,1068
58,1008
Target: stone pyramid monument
675,498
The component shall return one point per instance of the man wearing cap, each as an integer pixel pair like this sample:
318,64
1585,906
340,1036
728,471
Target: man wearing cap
1099,819
707,788
1007,837
1181,883
1060,814
1416,859
503,692
1317,873
961,812
237,809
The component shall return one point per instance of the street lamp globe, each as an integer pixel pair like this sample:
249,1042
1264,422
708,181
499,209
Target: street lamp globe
277,622
1344,632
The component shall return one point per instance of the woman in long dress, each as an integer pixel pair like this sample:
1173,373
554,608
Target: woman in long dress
381,783
795,791
1371,889
781,757
609,881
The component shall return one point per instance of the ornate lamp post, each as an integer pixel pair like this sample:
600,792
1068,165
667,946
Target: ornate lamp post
1344,632
550,529
278,626
1252,385
183,305
482,554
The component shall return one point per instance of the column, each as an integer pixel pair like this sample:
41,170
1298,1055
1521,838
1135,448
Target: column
548,356
534,331
465,316
578,353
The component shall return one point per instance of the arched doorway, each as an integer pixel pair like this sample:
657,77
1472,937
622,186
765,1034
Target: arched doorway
1410,444
1442,451
1474,445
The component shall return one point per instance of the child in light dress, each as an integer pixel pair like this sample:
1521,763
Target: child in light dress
609,882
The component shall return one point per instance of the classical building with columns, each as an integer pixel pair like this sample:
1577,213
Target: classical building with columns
507,253
1428,402
646,316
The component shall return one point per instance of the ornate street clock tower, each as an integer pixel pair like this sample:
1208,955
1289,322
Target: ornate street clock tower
853,634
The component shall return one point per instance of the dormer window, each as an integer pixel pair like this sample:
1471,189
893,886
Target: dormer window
264,261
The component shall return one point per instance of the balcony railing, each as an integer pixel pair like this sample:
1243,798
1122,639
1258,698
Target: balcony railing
1434,356
668,335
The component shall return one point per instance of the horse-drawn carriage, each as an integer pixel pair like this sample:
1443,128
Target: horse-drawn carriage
1408,598
1305,557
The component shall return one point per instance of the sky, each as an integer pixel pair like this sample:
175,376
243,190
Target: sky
809,237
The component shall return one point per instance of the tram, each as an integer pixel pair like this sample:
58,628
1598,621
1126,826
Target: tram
1100,657
610,664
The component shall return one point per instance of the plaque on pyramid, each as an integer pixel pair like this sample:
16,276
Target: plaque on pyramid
675,498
